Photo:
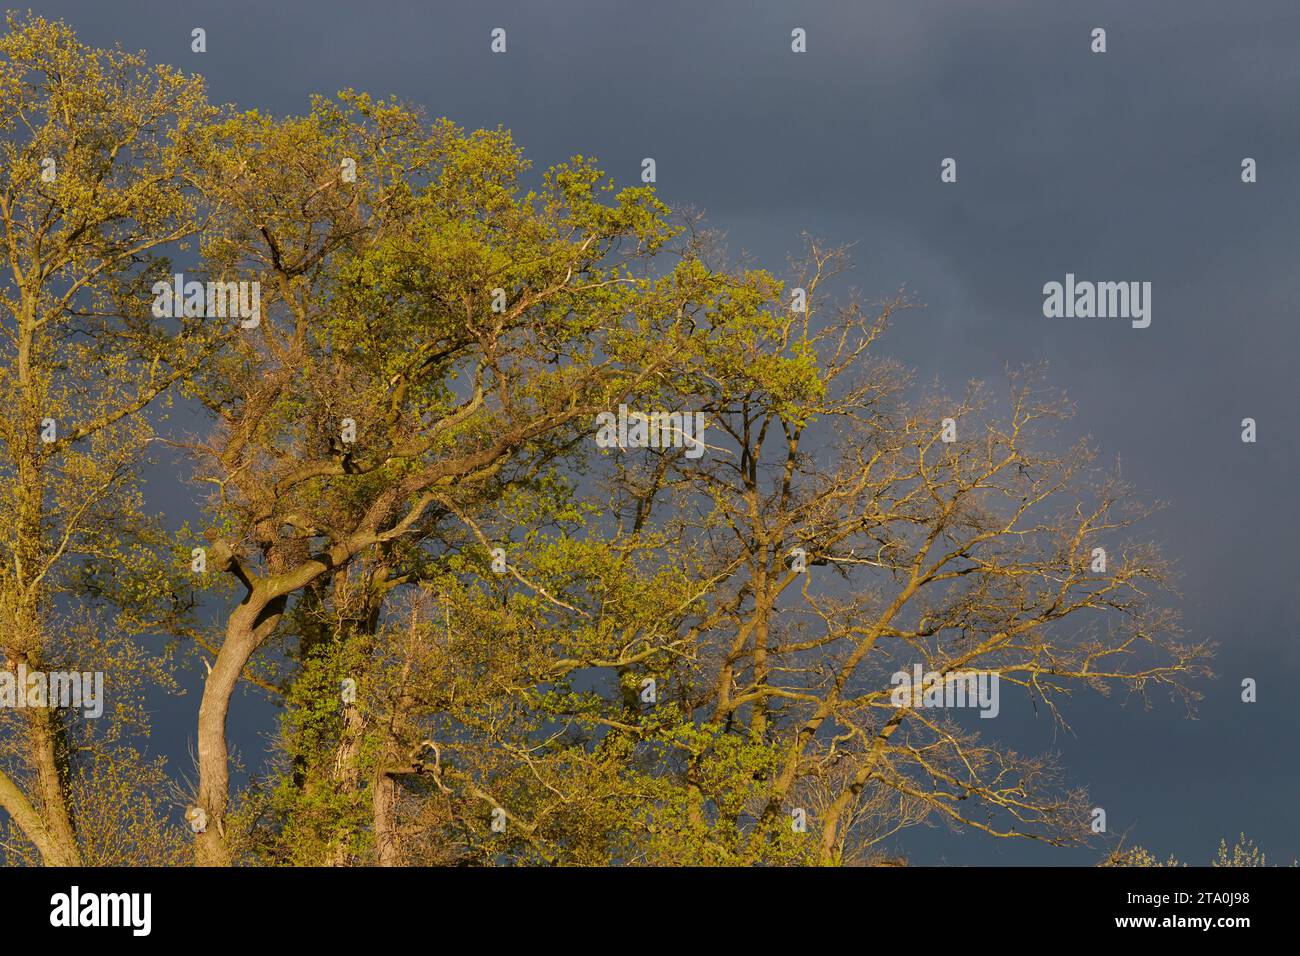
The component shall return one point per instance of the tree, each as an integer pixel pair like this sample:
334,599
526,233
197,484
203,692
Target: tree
431,336
94,192
832,535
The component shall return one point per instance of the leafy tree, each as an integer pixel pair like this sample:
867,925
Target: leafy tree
95,191
466,330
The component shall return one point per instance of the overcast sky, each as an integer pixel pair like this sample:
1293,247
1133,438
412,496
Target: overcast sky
1117,166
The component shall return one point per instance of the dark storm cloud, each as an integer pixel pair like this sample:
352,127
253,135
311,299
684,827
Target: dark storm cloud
1122,166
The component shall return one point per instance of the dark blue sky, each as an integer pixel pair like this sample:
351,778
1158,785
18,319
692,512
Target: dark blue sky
1121,166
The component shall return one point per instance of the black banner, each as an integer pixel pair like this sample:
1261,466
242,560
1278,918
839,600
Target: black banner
146,907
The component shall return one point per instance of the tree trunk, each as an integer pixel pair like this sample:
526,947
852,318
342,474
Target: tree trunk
384,798
249,625
51,776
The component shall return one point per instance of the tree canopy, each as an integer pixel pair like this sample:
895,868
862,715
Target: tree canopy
493,639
